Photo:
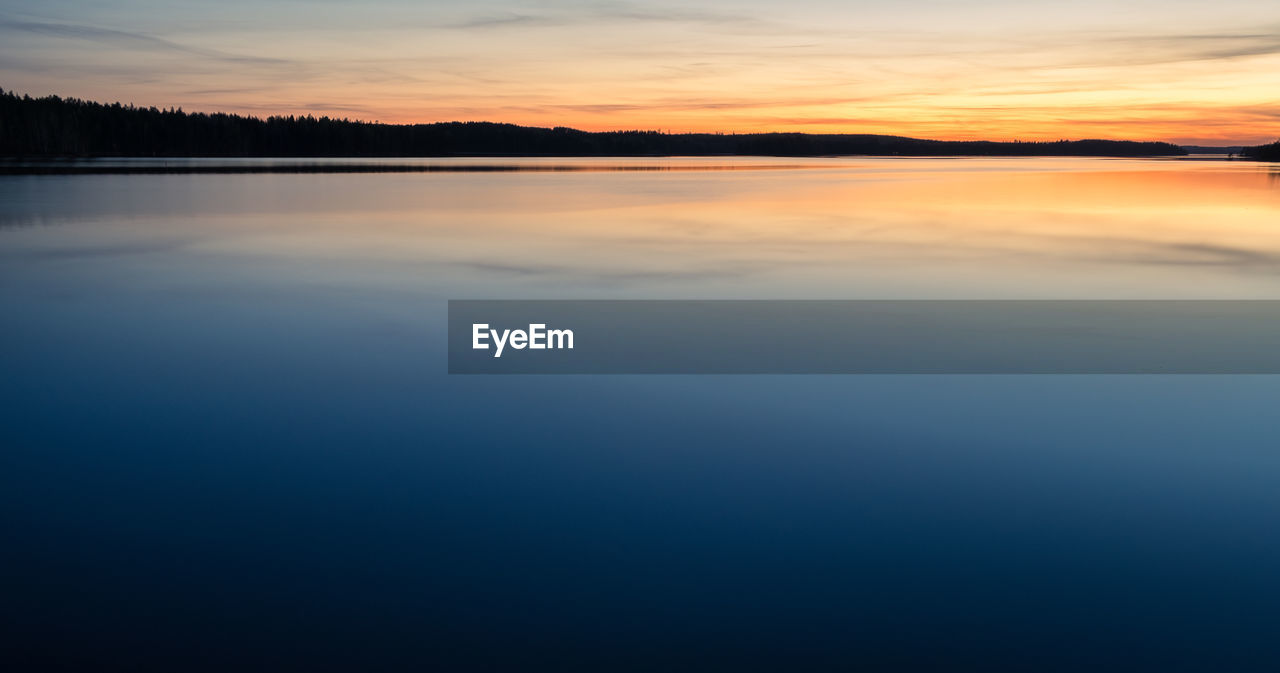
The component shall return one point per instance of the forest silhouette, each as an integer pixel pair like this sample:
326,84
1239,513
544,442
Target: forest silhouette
1263,152
51,127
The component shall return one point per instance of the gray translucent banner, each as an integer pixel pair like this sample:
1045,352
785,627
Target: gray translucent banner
864,337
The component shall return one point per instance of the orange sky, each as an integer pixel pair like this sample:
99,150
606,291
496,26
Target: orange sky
1190,72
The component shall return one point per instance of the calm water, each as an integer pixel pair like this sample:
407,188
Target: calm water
229,441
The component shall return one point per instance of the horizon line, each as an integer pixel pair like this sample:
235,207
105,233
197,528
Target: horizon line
666,132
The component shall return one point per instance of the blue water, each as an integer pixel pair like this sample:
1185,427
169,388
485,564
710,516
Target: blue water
230,444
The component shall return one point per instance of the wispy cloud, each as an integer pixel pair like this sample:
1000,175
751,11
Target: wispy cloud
1206,46
613,13
506,20
129,40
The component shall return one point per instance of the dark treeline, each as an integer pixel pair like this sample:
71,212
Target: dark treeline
1263,152
68,127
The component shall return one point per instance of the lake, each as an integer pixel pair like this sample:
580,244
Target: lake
230,441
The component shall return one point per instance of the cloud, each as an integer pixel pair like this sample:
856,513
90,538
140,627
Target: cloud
612,13
505,21
699,104
1209,46
129,40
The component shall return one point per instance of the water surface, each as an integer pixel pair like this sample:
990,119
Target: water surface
230,441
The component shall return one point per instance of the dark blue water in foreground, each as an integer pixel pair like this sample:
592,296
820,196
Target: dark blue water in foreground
229,444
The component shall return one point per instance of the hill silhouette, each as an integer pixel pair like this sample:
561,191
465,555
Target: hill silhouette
52,127
1263,152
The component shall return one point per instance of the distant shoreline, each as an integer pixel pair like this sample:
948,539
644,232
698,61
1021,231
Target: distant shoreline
338,165
53,127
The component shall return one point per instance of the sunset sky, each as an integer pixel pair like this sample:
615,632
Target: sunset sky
1177,70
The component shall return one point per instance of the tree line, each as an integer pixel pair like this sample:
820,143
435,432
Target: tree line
51,126
1263,152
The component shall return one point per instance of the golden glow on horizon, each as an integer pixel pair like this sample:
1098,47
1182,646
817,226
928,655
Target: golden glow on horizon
1070,228
1173,70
